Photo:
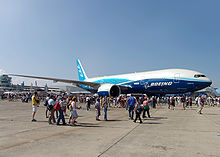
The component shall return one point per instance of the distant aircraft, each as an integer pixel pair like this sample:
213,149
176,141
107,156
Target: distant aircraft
160,82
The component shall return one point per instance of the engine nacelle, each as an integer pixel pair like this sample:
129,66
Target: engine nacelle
109,90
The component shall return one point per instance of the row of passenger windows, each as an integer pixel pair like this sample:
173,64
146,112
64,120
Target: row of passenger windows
199,75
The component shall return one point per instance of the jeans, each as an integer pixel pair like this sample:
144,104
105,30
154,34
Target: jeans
105,113
97,113
56,113
126,105
131,112
88,106
138,116
61,116
51,116
148,113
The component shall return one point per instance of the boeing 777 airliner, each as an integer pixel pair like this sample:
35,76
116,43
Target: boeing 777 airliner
160,82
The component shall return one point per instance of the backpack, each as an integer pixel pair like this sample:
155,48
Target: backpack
46,103
57,106
49,107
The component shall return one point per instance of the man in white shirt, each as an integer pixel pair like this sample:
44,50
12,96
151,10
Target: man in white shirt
88,103
51,104
218,101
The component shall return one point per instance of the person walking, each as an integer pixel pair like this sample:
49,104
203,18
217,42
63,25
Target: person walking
168,102
46,105
138,111
146,108
183,99
190,102
35,102
200,103
105,108
88,102
62,104
51,104
218,101
74,114
97,109
172,102
131,101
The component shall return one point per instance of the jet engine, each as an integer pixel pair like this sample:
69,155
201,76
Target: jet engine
109,90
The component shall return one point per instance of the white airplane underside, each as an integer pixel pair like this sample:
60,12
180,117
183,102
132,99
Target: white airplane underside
160,82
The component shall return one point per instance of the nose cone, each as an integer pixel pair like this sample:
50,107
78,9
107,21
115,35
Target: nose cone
209,82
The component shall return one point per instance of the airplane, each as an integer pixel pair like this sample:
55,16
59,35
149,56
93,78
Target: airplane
159,82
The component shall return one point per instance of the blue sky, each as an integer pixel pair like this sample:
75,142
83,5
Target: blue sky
44,37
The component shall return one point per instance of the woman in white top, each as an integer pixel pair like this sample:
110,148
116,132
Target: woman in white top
73,115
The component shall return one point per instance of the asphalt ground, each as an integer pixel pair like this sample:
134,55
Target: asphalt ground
176,133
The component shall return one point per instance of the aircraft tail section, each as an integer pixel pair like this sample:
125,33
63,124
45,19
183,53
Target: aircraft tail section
81,72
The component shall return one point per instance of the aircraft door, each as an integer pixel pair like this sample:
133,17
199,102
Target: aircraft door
176,78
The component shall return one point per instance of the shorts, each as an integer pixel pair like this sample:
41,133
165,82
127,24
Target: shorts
34,108
74,113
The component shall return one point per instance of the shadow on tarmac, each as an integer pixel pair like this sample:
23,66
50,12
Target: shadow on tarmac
150,123
84,125
156,118
212,114
114,120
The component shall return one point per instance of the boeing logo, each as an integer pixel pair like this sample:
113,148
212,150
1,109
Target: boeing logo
160,84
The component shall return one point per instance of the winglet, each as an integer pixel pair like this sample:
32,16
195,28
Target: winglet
81,72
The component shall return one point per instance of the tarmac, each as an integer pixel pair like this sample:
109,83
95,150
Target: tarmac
169,133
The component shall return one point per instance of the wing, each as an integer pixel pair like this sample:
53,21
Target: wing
91,84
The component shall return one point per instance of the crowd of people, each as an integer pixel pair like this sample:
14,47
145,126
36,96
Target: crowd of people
57,106
136,105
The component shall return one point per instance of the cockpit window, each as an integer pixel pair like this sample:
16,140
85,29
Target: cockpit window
199,75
